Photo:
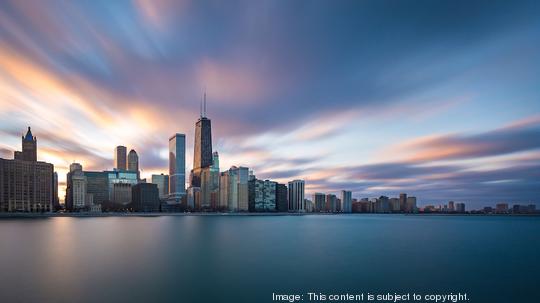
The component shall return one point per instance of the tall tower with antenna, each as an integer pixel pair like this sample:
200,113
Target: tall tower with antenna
202,155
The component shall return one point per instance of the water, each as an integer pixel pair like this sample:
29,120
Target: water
247,258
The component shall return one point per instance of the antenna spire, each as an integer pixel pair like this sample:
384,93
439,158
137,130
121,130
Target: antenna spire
204,112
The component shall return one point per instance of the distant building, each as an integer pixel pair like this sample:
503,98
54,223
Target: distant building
26,185
224,191
177,167
56,199
395,205
202,155
133,162
282,204
308,205
262,195
145,197
121,193
97,184
296,195
75,188
403,202
451,206
193,198
460,207
238,189
383,204
501,208
346,201
331,203
411,205
120,160
210,180
319,202
162,182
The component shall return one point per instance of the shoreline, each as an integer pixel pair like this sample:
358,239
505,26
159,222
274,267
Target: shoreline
97,215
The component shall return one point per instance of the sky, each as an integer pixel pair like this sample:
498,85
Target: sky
438,99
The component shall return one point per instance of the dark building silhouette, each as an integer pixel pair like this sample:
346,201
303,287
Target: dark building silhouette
26,185
120,158
145,197
403,202
202,155
97,185
282,204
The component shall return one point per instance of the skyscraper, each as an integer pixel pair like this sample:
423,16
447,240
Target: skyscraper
296,195
133,161
403,201
25,183
76,188
202,155
177,166
162,182
346,201
319,202
120,157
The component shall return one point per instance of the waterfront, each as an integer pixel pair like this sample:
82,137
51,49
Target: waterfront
247,258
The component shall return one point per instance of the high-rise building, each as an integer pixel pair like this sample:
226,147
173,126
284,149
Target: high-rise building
120,160
234,189
133,161
145,197
162,182
121,193
383,204
460,207
296,195
262,195
202,155
224,191
282,204
76,188
177,167
26,184
330,203
193,197
97,185
319,202
56,199
411,205
29,148
346,201
451,206
395,205
403,201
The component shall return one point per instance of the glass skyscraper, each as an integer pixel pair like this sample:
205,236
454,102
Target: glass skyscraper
177,166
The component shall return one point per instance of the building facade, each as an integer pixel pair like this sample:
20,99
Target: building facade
120,160
145,197
262,195
296,195
133,162
346,201
162,182
177,167
26,185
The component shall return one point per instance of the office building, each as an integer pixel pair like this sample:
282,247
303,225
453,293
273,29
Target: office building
411,205
97,185
145,197
346,201
282,204
202,155
133,162
296,195
75,188
403,202
162,182
224,191
121,193
120,161
193,198
262,195
26,185
120,183
460,207
319,200
395,205
330,203
177,168
56,198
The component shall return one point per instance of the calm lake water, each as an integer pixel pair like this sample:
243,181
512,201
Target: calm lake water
247,258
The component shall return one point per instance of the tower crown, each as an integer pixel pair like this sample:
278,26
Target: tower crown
28,136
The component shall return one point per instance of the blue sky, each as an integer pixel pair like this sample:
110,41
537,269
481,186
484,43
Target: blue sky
439,99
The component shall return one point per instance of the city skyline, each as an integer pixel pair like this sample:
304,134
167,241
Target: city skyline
450,117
